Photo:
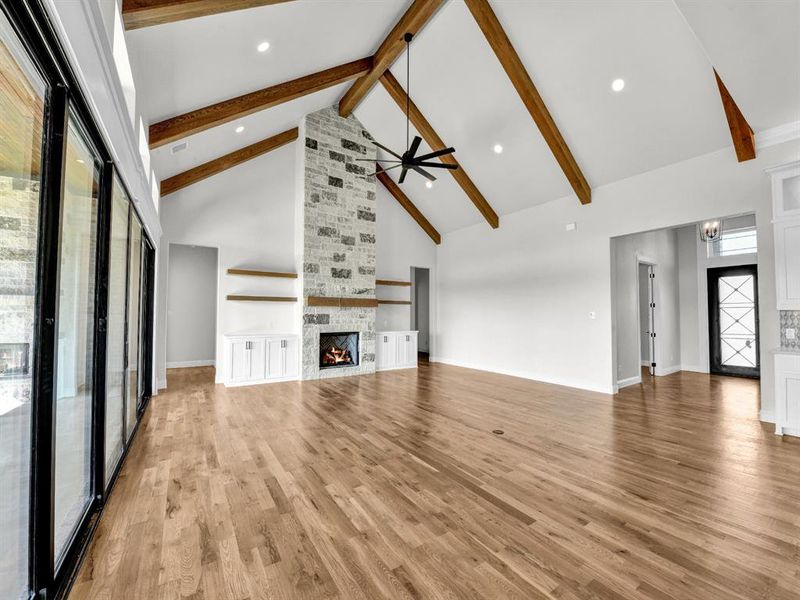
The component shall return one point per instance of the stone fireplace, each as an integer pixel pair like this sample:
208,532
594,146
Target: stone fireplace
335,235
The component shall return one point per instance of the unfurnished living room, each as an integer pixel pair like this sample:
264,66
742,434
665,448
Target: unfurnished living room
400,299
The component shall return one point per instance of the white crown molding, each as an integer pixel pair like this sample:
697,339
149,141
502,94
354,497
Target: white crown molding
778,135
80,29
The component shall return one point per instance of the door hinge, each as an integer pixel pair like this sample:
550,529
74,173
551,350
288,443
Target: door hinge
653,365
652,305
652,275
652,335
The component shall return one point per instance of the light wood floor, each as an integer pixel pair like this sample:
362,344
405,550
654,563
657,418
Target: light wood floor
393,486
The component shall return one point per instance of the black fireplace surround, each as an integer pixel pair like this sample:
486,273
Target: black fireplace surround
338,349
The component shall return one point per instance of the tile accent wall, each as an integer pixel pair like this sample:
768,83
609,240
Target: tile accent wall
338,225
790,318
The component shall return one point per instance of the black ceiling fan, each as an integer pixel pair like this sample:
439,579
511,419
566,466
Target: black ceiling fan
409,160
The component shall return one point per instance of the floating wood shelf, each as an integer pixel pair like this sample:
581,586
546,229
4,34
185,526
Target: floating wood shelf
390,282
394,301
261,298
256,273
342,302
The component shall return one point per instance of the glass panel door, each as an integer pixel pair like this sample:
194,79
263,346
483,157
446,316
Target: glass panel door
134,305
115,344
22,94
75,339
733,306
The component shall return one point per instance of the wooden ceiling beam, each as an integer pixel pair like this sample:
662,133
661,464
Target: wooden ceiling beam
744,141
406,203
237,157
170,130
146,13
433,140
412,21
496,36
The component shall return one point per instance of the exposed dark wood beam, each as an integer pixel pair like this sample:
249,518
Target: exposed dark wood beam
425,129
145,13
744,141
412,21
205,118
411,209
212,167
496,36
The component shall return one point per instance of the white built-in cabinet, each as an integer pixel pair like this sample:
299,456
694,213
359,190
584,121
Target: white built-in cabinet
395,350
787,393
786,223
252,358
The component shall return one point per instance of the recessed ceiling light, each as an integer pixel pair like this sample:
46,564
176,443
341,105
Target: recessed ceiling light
240,129
617,85
498,149
263,46
429,184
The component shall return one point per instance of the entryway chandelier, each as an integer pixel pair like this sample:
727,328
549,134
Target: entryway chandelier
710,231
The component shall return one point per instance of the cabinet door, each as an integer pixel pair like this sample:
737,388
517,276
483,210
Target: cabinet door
274,358
402,349
787,263
387,350
412,350
257,359
292,360
239,356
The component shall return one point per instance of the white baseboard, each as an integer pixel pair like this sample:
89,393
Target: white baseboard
542,377
767,416
162,384
662,371
184,364
694,368
645,363
629,381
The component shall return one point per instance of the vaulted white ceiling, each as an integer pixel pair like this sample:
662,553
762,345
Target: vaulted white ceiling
669,111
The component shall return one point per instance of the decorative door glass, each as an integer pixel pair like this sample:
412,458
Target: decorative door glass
737,321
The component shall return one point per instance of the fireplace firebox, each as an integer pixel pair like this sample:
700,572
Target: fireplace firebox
338,349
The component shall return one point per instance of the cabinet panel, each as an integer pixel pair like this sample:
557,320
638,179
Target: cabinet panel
787,263
291,358
274,358
792,386
257,359
239,361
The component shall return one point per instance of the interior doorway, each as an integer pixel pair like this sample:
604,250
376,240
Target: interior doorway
733,321
420,308
191,306
647,316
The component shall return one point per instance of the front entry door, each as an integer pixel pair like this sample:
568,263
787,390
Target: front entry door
733,320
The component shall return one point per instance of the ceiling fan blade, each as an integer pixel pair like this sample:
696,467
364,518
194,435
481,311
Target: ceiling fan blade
424,173
441,152
436,165
403,174
377,160
392,152
414,146
381,170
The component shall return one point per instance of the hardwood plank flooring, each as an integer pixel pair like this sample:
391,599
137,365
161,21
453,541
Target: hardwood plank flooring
394,486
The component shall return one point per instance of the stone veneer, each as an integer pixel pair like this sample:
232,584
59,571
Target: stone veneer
790,318
337,223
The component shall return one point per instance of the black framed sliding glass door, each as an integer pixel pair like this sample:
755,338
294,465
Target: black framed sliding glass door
115,340
134,325
75,339
75,332
22,106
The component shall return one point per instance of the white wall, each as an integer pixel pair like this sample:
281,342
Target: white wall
401,244
247,213
658,248
527,288
191,306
